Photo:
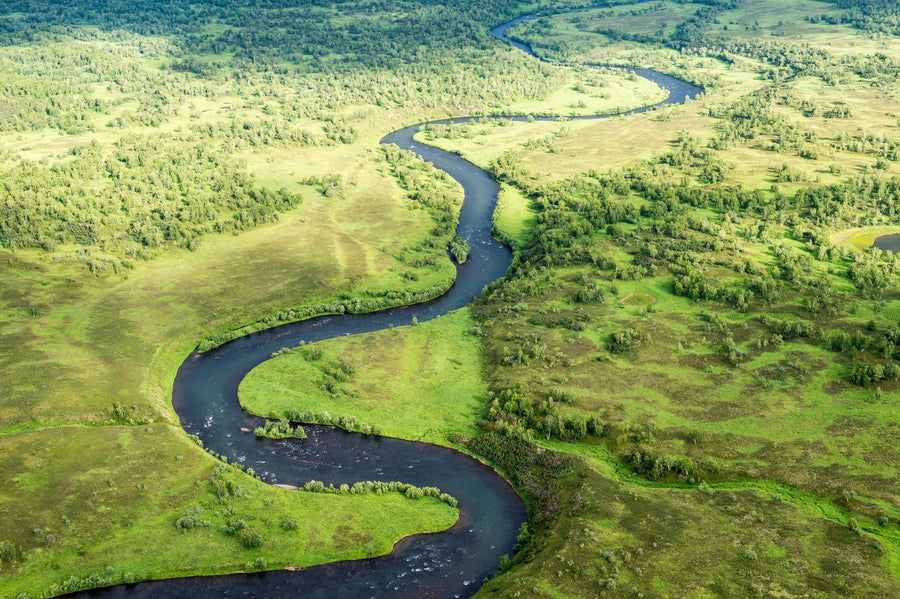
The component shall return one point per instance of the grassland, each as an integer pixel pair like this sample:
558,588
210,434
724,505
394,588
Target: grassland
620,539
775,415
864,237
798,465
63,318
91,447
514,216
104,501
76,346
419,382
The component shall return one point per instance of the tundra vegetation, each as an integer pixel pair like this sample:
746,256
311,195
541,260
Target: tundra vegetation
690,372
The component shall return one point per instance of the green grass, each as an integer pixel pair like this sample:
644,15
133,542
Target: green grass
689,543
75,344
109,497
417,382
88,333
514,215
592,91
784,422
565,36
864,237
785,416
790,398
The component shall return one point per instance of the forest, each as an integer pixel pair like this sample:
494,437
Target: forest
690,373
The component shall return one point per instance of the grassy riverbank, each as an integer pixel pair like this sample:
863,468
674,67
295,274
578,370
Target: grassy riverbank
153,202
174,175
418,382
104,501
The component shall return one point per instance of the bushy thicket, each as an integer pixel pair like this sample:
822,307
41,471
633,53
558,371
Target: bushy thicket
379,488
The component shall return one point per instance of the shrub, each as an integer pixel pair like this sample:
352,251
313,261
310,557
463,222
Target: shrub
191,519
459,249
279,430
505,563
314,486
7,552
258,564
622,342
250,538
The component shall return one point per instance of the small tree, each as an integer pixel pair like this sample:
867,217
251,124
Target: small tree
459,249
7,552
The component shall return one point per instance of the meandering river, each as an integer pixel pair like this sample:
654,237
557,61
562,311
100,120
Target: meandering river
447,564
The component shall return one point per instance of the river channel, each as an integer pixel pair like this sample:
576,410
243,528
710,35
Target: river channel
452,563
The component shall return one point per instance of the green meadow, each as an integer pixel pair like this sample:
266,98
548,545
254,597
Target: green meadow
689,374
419,382
99,505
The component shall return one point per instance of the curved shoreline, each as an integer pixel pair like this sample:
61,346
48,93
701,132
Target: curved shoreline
205,398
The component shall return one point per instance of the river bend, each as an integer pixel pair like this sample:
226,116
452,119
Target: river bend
447,564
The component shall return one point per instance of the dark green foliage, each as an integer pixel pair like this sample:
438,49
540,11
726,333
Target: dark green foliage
380,487
359,305
459,249
867,374
535,473
279,429
871,276
299,31
195,189
841,341
7,552
250,538
792,329
418,179
232,527
643,461
191,519
524,536
344,421
257,565
590,292
73,583
505,563
624,341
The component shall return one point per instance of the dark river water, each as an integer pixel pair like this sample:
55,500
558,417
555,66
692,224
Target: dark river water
447,564
888,243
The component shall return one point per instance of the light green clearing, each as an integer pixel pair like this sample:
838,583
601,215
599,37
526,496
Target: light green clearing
514,215
419,382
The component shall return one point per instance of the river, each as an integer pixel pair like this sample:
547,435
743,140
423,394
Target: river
447,564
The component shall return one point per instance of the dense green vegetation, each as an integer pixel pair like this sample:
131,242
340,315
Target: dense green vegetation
685,318
690,373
